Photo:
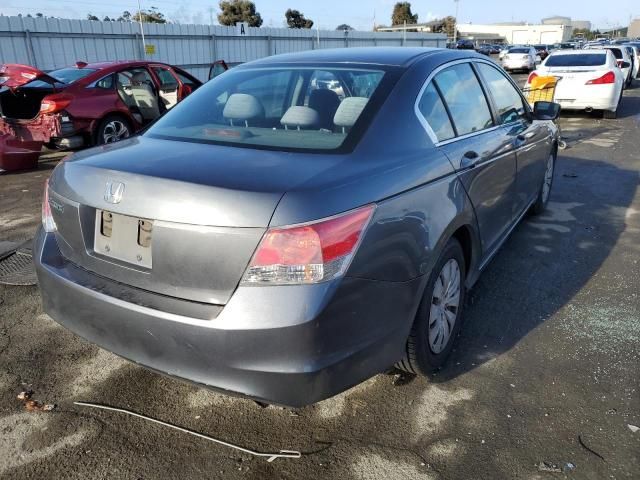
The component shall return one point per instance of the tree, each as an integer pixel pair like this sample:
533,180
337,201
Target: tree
295,19
125,17
93,18
235,11
342,27
39,15
445,25
402,13
153,15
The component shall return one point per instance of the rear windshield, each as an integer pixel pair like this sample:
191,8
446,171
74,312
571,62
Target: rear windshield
580,60
64,75
518,50
287,108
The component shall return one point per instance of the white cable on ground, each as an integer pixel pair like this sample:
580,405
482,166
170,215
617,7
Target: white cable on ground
270,456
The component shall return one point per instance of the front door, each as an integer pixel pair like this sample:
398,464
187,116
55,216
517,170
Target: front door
456,108
531,140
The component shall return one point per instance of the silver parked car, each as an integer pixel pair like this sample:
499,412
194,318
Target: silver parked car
267,237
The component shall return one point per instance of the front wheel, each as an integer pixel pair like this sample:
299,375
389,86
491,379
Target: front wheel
439,316
541,202
113,129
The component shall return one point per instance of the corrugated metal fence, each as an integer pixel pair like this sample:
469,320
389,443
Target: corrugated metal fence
54,43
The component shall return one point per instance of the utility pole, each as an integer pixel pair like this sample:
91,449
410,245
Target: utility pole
144,44
455,24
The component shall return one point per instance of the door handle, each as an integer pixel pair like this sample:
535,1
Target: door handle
470,159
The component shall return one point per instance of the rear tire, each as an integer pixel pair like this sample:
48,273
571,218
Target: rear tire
540,205
439,316
612,114
113,128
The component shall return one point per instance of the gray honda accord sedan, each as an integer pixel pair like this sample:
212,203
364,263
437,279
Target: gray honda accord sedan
299,223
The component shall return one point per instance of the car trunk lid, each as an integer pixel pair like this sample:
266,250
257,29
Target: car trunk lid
14,75
207,208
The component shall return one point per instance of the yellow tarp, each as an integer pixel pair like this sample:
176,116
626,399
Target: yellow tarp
541,89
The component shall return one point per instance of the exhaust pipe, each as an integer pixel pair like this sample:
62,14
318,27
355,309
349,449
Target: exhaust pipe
588,109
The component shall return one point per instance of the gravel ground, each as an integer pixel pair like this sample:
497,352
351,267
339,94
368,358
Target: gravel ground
545,369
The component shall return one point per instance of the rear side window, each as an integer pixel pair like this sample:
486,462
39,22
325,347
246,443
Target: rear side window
579,60
433,111
166,79
508,101
464,99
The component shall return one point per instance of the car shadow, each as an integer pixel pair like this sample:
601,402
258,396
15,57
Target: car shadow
545,262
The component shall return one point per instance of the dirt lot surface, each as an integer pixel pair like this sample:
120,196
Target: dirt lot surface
546,368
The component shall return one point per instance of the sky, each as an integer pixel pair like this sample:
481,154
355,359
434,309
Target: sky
360,14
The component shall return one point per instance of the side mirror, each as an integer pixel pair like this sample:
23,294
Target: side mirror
546,111
624,65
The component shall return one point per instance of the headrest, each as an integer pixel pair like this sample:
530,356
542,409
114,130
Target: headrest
349,110
302,117
241,106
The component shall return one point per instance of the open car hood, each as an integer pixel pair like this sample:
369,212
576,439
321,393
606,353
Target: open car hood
14,75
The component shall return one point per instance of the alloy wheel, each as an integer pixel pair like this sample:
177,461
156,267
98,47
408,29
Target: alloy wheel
445,303
114,131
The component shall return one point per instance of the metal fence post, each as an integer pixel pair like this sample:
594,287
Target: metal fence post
269,45
139,45
30,52
214,47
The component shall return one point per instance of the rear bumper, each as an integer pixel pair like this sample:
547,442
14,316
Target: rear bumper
580,97
291,345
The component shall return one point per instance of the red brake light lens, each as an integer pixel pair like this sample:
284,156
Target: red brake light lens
608,77
55,103
532,76
309,253
48,223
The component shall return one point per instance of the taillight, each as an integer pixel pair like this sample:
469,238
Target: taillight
48,223
308,253
55,103
532,76
608,77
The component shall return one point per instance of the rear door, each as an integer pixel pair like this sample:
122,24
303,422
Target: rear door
479,150
168,88
530,140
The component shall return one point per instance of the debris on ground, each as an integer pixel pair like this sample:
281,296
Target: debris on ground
402,378
34,405
570,175
549,467
584,445
633,428
270,457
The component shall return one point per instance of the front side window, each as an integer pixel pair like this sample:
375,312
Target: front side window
508,101
301,108
167,80
464,99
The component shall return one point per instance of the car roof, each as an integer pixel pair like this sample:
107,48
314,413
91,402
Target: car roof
588,51
390,56
119,63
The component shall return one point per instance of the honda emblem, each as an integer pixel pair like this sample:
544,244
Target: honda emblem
113,192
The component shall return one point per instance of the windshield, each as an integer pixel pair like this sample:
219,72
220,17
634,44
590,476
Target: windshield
580,60
64,75
518,50
288,108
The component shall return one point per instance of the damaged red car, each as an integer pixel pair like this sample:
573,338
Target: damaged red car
83,105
